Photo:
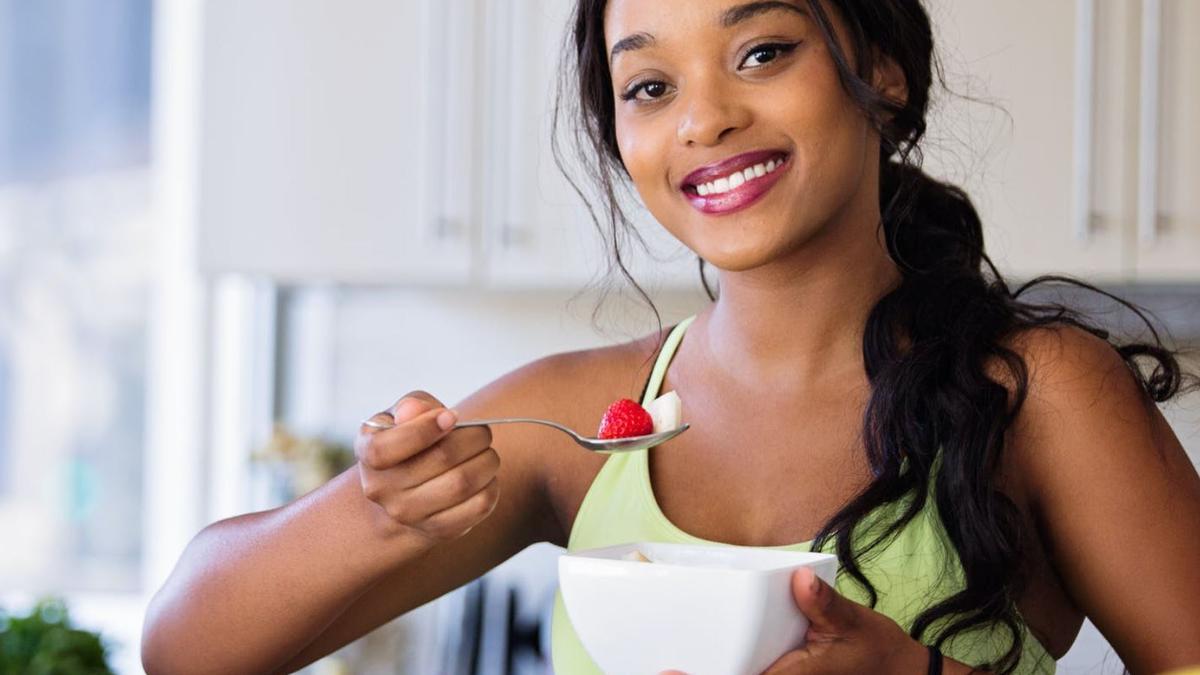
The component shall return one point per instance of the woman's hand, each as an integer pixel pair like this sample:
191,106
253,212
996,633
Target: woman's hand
425,475
845,637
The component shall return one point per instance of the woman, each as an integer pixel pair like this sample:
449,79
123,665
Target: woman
988,471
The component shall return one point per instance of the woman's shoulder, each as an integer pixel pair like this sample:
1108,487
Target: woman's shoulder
1081,396
1071,374
1064,365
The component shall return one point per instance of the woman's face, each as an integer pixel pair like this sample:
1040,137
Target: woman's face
733,125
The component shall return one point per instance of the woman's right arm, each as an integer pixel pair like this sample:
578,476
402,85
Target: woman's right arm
418,516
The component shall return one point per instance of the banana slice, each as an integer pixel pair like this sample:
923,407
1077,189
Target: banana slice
666,411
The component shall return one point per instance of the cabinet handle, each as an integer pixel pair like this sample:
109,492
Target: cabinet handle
512,235
445,228
1148,138
1085,95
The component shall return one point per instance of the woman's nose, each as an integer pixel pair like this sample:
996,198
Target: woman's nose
710,113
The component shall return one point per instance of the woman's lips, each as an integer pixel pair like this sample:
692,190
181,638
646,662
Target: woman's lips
739,197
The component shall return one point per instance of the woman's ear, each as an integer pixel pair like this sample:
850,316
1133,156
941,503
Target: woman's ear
888,79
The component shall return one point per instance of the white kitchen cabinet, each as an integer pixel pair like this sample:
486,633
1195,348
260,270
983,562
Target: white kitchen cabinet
1018,158
337,139
409,142
1093,170
536,229
1168,243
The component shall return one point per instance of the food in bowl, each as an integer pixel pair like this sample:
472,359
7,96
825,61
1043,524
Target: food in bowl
700,608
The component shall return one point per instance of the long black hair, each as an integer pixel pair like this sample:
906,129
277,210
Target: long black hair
953,306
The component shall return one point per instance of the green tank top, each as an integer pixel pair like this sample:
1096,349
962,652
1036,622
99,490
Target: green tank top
910,572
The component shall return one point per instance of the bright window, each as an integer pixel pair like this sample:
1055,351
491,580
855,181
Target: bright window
74,284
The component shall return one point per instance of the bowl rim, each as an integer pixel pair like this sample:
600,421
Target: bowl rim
788,559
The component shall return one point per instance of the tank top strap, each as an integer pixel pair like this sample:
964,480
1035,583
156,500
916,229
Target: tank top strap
665,354
618,506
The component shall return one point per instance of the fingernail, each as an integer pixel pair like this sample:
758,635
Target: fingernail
446,420
815,584
407,409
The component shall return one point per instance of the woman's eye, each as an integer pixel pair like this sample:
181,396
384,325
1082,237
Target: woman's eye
646,91
764,54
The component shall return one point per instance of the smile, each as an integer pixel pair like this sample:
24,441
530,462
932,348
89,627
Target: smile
742,181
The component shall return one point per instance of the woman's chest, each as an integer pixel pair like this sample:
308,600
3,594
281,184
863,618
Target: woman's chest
763,471
758,481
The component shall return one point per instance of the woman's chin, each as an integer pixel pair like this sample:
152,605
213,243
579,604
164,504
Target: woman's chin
738,261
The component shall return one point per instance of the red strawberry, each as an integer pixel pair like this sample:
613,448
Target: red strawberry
625,418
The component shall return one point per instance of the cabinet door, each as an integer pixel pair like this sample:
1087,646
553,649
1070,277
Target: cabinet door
1169,211
334,137
1042,154
536,229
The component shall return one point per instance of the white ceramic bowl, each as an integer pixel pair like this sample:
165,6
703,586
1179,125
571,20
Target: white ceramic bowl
705,610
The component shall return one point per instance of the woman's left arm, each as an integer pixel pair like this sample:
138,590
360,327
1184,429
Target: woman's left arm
1115,497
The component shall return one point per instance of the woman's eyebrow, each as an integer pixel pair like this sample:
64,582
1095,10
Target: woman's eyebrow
735,15
629,43
729,18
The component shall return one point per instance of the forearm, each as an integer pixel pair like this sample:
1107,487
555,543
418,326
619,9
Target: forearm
250,592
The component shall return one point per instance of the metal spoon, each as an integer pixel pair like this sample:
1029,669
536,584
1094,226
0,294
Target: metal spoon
605,445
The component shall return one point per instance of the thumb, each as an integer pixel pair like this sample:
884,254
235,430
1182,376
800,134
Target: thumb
413,404
826,609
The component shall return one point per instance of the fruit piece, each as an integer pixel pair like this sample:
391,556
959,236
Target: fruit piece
666,411
635,556
625,418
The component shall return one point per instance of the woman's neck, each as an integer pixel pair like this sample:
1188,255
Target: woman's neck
799,322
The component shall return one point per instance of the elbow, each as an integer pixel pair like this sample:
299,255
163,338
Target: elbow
176,642
159,656
166,649
163,656
153,662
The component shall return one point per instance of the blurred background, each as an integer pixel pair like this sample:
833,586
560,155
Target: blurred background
230,229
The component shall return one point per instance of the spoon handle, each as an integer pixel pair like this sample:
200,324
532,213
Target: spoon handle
510,420
483,423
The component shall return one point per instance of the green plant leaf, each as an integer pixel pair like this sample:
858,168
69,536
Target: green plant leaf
46,643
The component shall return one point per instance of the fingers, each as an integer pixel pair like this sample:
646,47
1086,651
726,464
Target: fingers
446,506
459,519
426,475
453,449
452,487
419,424
826,609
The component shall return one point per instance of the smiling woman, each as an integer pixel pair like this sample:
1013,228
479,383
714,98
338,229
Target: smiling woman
986,470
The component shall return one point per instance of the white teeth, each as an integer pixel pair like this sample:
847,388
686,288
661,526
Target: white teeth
736,179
